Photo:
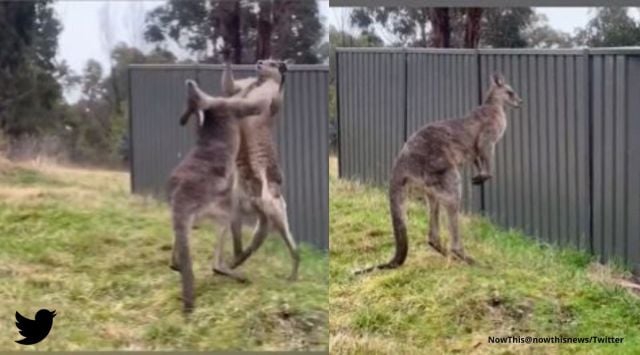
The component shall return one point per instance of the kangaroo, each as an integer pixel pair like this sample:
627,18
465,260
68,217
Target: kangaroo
432,158
204,179
259,171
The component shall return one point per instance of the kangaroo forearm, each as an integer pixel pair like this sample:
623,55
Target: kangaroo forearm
484,157
228,84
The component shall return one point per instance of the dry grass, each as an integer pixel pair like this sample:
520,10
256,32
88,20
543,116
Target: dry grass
75,240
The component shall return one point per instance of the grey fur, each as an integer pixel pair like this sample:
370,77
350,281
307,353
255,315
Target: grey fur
260,175
432,157
204,180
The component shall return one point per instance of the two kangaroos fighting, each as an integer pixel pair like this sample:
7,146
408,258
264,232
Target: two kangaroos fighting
214,176
431,159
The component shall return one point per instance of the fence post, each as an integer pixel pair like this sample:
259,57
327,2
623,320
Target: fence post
588,93
479,91
406,95
132,178
338,122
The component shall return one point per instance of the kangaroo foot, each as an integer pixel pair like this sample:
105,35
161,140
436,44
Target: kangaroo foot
437,247
480,179
293,276
223,270
187,308
462,256
239,260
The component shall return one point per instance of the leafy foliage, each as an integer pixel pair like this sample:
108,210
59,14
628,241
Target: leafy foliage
541,35
459,27
610,27
96,124
28,71
278,28
504,28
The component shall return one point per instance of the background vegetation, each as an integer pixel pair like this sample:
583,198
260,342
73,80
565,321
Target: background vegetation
35,117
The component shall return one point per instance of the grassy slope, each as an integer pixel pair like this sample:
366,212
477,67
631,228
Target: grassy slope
443,306
76,241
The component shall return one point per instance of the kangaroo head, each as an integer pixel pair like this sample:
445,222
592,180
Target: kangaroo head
271,69
501,93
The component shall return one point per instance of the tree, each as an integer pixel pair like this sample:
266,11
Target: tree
441,27
610,27
97,123
422,27
541,35
472,28
228,15
451,27
396,25
505,27
297,31
28,71
265,29
278,28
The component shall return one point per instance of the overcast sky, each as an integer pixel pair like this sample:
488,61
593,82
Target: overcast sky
82,37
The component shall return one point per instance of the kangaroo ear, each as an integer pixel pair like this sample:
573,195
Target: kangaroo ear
498,79
283,66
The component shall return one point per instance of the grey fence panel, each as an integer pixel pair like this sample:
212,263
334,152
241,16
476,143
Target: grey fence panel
372,113
537,167
159,143
440,86
615,159
567,168
632,192
443,86
304,152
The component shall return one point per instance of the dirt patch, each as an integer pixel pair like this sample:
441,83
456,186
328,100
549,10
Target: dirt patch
297,330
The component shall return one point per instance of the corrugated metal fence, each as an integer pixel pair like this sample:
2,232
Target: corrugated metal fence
158,142
567,170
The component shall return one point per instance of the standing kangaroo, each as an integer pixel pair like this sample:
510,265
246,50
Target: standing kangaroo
432,158
205,178
259,174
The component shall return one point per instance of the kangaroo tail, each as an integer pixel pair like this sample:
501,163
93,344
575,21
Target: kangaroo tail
396,202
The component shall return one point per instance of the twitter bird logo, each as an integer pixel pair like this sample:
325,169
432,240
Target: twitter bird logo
34,331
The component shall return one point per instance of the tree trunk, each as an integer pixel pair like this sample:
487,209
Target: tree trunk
230,20
472,27
423,20
280,28
263,45
441,27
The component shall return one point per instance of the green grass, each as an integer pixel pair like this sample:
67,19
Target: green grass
76,241
438,305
